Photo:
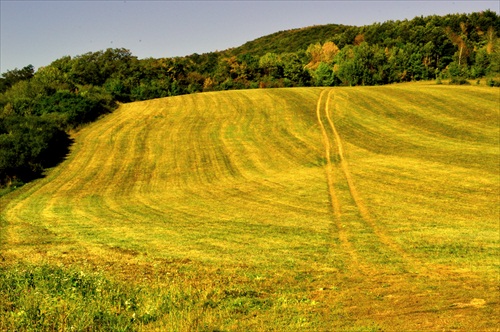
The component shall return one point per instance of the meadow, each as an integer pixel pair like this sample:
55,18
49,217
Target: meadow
293,209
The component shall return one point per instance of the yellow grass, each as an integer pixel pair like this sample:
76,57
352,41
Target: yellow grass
340,209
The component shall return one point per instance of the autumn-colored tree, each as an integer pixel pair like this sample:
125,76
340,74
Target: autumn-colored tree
314,53
490,37
359,39
208,84
328,52
321,53
460,40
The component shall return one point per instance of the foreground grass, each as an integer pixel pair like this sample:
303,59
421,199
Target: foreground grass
290,209
52,298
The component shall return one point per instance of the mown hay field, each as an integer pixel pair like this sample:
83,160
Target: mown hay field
304,209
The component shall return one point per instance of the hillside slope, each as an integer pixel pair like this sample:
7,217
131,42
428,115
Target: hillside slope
302,209
295,40
418,31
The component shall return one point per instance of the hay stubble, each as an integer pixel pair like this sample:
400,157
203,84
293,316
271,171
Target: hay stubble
342,208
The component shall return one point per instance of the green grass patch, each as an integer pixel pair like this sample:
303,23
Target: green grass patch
42,298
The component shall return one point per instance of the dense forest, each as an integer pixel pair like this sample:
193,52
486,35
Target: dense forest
38,109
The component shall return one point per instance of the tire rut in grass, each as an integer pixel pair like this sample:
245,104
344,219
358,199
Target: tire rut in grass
333,142
330,177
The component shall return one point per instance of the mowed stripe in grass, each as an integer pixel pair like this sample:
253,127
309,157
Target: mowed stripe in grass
244,199
434,186
182,175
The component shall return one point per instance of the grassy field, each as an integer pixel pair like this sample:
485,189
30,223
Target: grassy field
304,209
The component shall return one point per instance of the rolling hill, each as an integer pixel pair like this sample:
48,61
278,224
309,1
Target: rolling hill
359,209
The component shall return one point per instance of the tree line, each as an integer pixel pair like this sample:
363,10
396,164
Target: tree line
38,109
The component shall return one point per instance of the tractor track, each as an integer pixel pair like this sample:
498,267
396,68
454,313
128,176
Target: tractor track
334,142
330,177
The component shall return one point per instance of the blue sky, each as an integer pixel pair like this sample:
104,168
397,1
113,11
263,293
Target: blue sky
39,32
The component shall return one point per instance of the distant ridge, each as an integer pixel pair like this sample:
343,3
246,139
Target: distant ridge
291,40
380,33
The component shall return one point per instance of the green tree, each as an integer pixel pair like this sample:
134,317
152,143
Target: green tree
11,77
28,145
271,65
346,67
294,71
323,75
481,64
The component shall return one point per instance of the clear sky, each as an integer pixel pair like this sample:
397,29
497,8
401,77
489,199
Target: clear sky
39,32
